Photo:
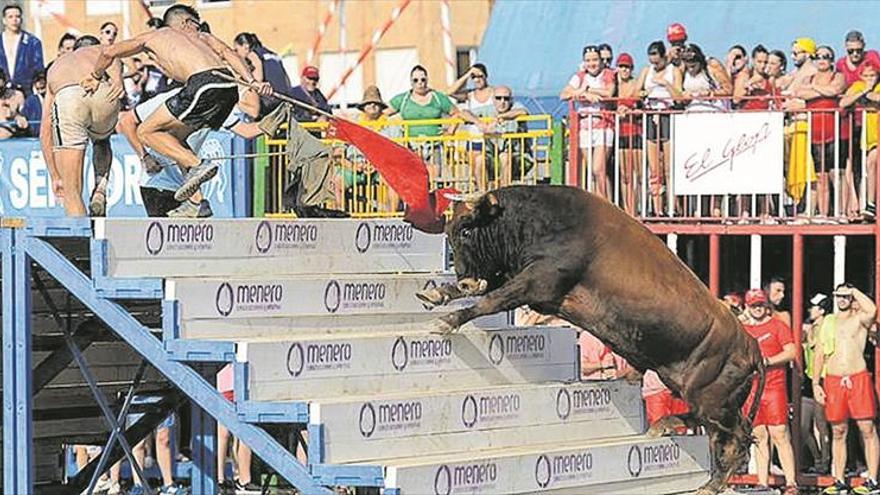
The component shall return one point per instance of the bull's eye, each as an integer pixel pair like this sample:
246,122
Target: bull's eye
465,232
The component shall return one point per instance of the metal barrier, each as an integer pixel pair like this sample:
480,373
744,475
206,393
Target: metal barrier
628,158
528,151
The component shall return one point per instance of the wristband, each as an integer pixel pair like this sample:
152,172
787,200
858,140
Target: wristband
99,75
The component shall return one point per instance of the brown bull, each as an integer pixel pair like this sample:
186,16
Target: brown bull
566,252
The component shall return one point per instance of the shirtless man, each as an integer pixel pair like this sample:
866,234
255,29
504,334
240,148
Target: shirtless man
193,57
77,118
846,390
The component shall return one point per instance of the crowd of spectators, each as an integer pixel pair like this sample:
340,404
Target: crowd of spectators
822,94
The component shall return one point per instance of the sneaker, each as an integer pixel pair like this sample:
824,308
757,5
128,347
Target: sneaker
247,488
136,490
790,490
171,490
306,211
869,487
114,489
838,488
98,203
188,209
151,165
195,177
226,487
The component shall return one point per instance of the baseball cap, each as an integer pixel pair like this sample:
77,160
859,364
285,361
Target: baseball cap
310,71
806,44
755,297
676,32
855,35
817,299
624,59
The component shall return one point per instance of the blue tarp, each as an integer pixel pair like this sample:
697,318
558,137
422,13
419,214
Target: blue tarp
25,190
534,46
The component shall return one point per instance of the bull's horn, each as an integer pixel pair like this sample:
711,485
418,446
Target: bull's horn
463,197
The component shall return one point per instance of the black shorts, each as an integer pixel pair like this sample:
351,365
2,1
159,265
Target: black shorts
206,100
158,202
629,142
664,124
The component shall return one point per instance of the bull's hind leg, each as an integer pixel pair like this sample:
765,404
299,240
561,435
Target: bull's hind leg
538,284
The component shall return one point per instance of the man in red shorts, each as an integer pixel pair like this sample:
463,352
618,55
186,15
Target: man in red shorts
846,391
771,421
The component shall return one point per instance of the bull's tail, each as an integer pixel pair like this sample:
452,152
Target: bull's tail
756,402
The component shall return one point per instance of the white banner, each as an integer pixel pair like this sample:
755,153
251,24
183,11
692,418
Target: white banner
731,153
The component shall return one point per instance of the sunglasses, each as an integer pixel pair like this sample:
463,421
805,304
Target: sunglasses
503,98
607,60
853,51
827,56
417,80
314,79
110,32
654,53
478,76
619,66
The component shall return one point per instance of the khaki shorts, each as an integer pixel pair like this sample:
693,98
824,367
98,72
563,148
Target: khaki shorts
78,117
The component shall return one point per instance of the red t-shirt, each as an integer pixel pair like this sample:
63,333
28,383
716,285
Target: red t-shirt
771,337
853,75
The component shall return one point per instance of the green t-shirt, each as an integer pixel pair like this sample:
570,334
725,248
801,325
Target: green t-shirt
437,107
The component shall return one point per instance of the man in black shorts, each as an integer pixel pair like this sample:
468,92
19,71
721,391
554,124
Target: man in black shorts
195,58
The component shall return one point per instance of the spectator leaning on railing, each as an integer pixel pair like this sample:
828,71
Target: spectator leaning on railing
629,141
509,159
751,81
590,85
478,101
660,82
65,44
820,93
865,94
704,84
21,53
33,105
12,122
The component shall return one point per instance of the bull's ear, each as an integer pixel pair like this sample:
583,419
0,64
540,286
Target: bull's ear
487,208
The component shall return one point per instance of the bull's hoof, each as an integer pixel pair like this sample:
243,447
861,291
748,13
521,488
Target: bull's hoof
441,327
432,298
472,286
667,426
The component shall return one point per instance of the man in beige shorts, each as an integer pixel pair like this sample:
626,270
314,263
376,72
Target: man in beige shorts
200,61
77,118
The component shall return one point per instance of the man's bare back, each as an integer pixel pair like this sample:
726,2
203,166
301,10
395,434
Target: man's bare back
181,54
73,67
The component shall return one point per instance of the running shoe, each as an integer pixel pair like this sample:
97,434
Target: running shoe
136,490
227,487
195,177
171,489
838,488
247,488
189,209
98,203
869,487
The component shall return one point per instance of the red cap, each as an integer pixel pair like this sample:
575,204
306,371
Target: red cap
624,59
676,32
310,71
755,297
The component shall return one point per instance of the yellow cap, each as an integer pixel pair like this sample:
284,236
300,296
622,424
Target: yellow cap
806,44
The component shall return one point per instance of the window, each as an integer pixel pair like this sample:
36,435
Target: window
161,3
333,65
392,70
465,56
103,7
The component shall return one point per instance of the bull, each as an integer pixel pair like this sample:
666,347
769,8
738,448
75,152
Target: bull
569,253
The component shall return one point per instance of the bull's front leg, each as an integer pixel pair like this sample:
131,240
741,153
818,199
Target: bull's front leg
534,285
438,296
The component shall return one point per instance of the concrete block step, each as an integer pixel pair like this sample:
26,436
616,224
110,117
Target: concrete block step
406,425
211,308
166,248
342,365
632,465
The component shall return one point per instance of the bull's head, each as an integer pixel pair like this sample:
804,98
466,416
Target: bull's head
476,243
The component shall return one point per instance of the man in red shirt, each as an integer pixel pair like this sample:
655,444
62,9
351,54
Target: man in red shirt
856,57
777,347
